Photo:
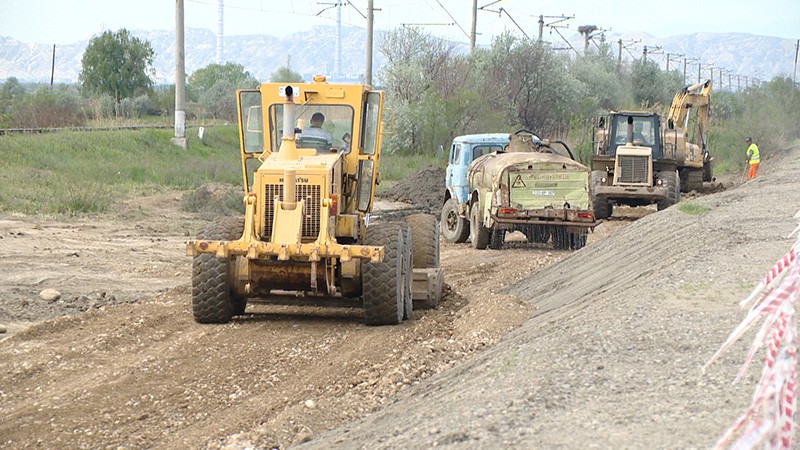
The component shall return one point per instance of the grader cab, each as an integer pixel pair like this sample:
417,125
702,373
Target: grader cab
309,188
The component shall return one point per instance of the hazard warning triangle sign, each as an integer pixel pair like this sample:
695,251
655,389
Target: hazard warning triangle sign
518,183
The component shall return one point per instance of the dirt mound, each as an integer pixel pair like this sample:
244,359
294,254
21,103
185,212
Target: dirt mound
424,188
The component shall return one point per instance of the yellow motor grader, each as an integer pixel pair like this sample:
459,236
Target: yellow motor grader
305,230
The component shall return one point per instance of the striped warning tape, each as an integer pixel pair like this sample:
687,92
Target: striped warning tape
769,421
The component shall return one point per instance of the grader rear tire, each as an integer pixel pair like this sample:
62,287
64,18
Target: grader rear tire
383,284
408,260
213,299
424,240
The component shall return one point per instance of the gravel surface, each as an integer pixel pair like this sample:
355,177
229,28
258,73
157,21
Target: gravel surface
530,348
612,355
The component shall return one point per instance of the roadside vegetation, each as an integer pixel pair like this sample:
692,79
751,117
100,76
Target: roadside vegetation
438,92
434,90
86,172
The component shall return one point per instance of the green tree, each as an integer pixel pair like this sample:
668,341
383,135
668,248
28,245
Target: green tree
214,88
652,86
117,64
285,75
532,85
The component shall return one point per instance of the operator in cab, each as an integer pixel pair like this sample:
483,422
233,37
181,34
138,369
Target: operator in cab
315,136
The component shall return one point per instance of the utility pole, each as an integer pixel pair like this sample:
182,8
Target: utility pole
53,66
474,25
220,56
644,53
720,79
370,20
338,65
738,83
541,29
180,79
796,51
619,55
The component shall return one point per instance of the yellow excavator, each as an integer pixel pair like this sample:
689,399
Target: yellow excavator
688,122
306,235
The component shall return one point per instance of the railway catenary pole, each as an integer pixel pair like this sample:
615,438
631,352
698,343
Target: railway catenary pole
474,26
180,79
370,20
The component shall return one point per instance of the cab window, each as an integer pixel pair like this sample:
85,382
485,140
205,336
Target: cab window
372,121
455,154
251,121
480,150
338,122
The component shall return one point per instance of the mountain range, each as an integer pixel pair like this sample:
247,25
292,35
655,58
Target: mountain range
313,52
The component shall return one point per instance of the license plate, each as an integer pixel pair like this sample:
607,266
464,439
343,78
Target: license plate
538,192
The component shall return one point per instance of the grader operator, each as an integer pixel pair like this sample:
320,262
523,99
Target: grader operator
305,227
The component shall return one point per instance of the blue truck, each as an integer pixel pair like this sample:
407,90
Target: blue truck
464,149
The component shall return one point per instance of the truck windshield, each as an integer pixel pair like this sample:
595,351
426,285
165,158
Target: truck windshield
645,133
337,120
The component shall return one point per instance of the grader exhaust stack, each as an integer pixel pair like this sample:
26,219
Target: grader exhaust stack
288,148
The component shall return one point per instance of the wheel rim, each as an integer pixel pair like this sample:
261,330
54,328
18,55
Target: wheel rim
452,220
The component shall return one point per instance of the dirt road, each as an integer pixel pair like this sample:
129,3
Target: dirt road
120,362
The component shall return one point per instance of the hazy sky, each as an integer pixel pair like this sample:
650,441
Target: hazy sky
67,21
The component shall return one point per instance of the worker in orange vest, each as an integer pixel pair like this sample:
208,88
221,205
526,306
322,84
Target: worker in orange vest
753,158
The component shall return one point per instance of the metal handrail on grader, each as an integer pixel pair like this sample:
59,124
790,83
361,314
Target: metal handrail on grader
305,230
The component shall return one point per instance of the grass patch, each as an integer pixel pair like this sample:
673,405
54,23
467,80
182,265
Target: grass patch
694,287
85,172
693,209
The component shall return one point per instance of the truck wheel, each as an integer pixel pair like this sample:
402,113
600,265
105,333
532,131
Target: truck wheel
671,182
383,284
537,233
497,239
455,229
602,208
424,239
478,234
213,299
577,240
560,238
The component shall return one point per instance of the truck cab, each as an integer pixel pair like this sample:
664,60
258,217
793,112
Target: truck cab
464,150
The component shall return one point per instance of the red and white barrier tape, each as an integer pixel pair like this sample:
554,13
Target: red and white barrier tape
769,421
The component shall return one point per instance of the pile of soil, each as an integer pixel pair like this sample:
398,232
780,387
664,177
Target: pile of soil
424,189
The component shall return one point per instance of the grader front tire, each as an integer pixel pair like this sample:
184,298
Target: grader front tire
383,284
213,299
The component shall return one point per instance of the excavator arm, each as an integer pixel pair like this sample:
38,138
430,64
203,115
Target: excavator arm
697,97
